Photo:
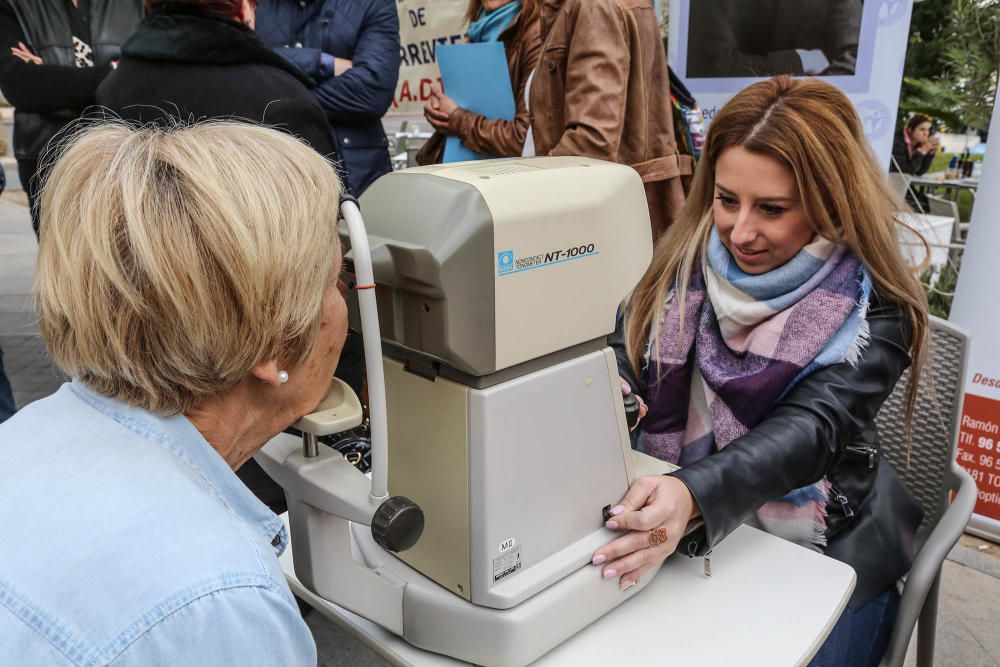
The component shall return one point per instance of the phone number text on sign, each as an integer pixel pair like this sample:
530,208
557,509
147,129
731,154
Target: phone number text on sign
979,450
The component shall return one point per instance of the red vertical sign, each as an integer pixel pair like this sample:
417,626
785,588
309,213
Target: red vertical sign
979,450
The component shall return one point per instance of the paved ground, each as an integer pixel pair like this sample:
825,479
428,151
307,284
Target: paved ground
970,605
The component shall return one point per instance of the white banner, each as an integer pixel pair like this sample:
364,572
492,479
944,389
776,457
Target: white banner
858,46
975,308
423,24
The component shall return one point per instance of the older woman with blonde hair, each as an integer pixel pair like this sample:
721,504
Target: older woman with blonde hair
187,280
775,318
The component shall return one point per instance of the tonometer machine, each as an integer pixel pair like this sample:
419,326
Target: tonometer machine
486,291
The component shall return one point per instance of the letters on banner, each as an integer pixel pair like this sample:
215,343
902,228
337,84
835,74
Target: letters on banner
423,25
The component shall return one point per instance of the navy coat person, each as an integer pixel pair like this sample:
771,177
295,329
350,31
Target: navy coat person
312,33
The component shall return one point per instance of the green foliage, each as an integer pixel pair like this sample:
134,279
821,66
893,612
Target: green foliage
952,62
935,98
928,38
973,57
941,293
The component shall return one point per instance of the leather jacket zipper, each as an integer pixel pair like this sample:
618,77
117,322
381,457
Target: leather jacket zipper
870,452
845,504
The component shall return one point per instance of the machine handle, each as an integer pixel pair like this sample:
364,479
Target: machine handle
373,347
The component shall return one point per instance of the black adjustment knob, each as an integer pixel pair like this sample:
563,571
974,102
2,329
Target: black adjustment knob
631,410
398,524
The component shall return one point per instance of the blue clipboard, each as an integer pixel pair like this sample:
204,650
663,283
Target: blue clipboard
476,77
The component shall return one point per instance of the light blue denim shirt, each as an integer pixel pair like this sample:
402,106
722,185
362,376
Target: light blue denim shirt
129,541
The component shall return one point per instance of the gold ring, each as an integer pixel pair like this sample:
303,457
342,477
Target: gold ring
657,536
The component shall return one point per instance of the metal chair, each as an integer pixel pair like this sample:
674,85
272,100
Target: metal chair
931,474
949,209
899,182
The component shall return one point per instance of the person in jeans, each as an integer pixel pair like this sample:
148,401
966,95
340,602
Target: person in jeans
778,313
197,307
7,406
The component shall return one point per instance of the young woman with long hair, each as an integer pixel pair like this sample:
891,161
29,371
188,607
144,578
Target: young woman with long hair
775,318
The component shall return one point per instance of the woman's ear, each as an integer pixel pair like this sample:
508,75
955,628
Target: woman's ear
268,372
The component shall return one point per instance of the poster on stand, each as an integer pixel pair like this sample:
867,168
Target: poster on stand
423,25
975,309
719,47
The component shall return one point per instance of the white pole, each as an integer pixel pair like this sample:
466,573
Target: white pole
373,348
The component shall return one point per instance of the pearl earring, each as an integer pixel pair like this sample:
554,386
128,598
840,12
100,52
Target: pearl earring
282,377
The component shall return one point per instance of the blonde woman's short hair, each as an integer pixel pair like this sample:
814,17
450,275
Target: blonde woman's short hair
172,261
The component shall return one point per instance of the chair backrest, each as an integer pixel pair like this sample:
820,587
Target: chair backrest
923,465
941,206
899,182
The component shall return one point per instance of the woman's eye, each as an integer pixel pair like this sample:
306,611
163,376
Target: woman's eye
727,201
773,211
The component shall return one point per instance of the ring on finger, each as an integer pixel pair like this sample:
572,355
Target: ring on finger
657,536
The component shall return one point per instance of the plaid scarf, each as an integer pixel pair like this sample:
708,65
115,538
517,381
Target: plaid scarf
747,340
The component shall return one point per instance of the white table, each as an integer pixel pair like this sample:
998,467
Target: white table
768,603
936,180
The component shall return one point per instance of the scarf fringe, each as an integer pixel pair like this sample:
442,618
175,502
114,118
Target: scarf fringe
864,337
819,530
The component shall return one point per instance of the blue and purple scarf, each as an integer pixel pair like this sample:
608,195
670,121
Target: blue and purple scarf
746,341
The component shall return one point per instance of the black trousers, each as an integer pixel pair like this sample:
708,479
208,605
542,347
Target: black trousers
27,172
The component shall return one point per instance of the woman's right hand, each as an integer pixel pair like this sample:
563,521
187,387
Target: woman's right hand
341,65
25,54
655,513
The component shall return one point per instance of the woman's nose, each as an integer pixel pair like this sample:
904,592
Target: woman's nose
744,231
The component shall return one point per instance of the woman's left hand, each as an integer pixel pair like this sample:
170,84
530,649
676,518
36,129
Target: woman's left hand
439,110
655,512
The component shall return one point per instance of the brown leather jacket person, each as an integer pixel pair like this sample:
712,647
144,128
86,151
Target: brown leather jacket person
522,43
602,90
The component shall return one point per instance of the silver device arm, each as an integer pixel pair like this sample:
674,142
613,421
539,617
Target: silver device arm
373,348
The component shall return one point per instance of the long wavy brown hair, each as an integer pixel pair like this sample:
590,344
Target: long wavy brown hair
529,10
812,128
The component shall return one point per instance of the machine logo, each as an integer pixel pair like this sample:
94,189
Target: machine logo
508,264
505,261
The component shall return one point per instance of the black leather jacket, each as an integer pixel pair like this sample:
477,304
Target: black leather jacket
47,97
824,426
